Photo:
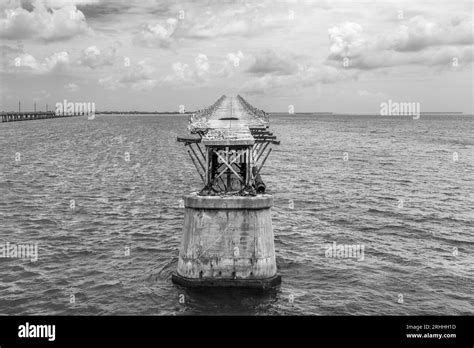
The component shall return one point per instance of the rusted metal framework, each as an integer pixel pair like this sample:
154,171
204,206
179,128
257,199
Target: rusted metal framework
229,145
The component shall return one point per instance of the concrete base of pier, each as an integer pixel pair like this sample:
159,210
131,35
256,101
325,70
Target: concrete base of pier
266,283
227,242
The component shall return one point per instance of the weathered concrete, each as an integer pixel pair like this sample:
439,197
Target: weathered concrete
227,241
227,234
263,284
230,202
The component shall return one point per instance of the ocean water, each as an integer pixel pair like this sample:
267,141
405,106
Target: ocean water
89,192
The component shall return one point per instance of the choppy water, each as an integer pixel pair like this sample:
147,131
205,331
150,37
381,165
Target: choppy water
320,198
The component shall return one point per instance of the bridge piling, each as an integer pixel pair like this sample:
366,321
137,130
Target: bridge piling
227,236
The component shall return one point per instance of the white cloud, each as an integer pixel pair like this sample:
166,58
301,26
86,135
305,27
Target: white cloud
200,72
232,62
420,33
419,41
27,62
236,19
57,59
306,76
202,65
63,3
109,83
93,57
156,35
252,44
265,84
217,26
139,77
347,40
71,87
199,23
272,62
144,85
43,22
235,58
181,72
140,71
184,73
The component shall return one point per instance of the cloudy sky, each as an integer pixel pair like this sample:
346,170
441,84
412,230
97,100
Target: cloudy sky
341,56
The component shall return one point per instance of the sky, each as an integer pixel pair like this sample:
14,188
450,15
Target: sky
321,56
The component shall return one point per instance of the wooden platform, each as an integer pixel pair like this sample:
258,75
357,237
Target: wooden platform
239,135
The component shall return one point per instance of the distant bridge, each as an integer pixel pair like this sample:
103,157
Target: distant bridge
33,115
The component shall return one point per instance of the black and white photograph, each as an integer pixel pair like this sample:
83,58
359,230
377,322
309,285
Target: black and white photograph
173,160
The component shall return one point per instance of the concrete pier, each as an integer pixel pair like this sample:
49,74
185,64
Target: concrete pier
227,242
227,236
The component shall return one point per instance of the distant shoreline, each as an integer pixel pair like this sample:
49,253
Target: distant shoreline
437,113
141,113
318,113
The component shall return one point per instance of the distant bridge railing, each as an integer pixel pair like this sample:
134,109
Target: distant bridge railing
260,114
201,116
35,115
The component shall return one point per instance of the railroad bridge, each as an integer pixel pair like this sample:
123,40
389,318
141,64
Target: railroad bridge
236,138
227,236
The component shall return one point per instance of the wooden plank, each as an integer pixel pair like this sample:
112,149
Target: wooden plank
188,140
266,137
263,162
207,166
200,150
199,172
197,157
260,152
276,142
